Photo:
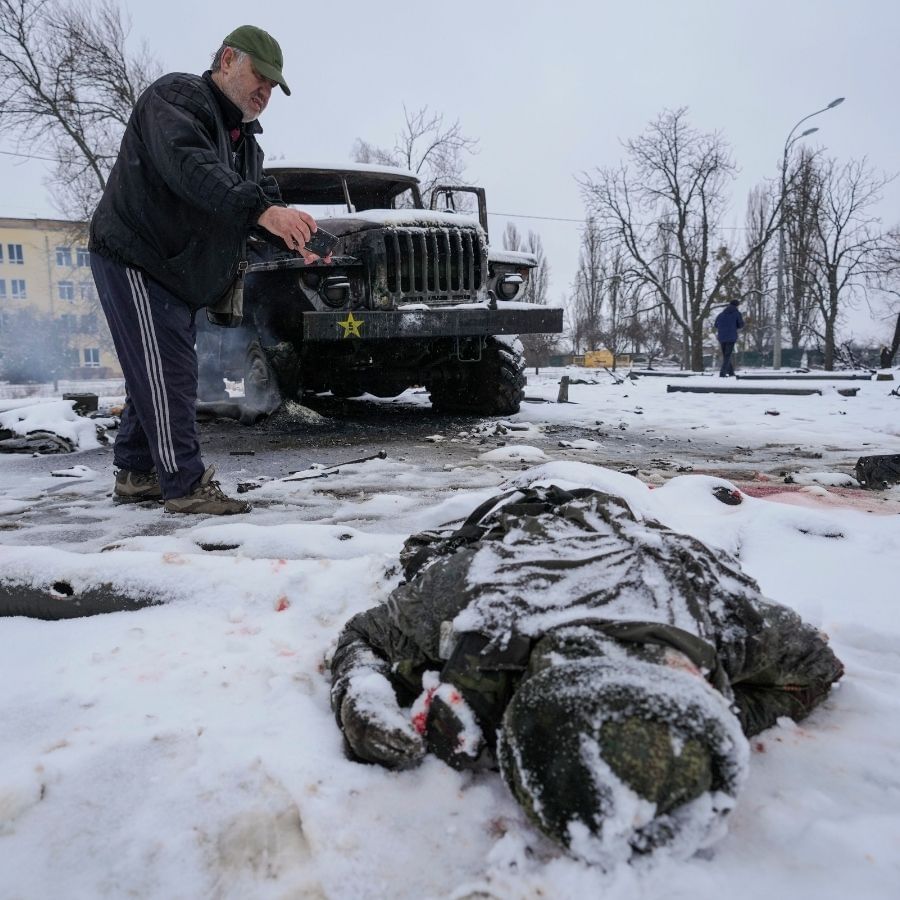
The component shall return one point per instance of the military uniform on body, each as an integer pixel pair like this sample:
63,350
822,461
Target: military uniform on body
167,240
610,667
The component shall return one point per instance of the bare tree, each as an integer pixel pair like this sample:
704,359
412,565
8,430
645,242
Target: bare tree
67,87
653,328
538,347
757,280
648,325
619,303
426,146
801,213
539,277
887,280
588,290
512,237
848,241
678,176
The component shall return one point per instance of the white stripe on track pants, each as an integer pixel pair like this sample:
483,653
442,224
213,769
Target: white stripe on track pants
154,334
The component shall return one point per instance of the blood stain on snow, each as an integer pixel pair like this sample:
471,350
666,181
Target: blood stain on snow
420,718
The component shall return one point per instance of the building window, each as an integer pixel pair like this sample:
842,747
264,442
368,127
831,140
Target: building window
1,253
2,289
64,257
88,324
82,257
17,287
92,357
68,322
15,254
66,290
86,290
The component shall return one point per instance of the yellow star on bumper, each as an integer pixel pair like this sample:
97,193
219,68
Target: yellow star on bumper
351,326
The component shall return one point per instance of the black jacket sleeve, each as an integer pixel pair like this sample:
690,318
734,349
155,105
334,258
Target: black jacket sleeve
179,130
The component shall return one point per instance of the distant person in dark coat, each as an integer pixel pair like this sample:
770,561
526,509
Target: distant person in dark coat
727,324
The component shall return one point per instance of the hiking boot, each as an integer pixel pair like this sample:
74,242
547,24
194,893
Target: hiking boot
207,498
133,487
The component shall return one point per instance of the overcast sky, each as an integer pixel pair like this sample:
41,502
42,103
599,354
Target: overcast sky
550,89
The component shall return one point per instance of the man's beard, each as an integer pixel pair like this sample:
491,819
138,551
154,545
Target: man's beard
249,112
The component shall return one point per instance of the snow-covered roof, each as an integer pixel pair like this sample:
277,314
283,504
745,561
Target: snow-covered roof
276,165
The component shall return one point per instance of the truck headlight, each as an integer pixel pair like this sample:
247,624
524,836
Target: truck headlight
508,286
335,290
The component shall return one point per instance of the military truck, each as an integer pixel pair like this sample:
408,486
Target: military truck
413,296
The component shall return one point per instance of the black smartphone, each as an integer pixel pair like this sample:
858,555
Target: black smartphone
321,243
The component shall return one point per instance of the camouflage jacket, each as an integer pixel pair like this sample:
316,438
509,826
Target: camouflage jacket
493,600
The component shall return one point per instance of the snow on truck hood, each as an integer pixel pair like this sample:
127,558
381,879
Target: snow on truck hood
394,218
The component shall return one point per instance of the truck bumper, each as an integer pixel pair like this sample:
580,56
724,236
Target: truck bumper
371,325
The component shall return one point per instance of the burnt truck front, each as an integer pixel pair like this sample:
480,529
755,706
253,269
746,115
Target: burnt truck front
413,296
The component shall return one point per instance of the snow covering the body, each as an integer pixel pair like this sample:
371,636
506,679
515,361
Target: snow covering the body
696,825
189,749
614,567
599,692
572,474
374,697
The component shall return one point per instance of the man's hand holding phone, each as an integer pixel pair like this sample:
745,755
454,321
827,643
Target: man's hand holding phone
321,243
295,228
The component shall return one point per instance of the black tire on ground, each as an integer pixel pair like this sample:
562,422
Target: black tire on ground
261,389
493,386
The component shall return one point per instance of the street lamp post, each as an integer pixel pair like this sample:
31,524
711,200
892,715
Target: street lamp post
779,297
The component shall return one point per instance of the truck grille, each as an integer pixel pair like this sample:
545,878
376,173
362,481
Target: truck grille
433,265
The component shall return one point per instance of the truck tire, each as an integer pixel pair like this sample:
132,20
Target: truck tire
261,389
493,386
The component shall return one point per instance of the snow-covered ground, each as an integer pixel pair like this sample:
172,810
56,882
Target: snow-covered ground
188,750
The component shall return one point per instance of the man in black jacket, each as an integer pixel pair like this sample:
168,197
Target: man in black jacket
168,238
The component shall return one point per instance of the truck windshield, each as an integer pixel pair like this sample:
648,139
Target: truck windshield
329,192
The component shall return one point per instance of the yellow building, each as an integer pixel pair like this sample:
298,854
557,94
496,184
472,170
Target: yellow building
45,270
598,359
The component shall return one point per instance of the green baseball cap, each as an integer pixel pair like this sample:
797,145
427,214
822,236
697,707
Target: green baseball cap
263,49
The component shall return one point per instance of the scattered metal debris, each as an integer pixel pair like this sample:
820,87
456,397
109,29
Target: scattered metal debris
326,470
35,442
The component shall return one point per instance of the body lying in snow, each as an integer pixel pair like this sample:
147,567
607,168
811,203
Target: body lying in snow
611,667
